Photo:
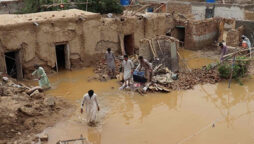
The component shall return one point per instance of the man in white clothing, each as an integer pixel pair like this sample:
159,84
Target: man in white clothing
128,67
92,106
244,38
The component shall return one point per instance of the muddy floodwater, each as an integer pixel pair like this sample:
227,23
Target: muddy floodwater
208,114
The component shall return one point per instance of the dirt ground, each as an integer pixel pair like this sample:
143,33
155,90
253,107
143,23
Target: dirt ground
23,116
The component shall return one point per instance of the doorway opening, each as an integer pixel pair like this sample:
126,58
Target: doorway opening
180,34
13,64
62,57
129,44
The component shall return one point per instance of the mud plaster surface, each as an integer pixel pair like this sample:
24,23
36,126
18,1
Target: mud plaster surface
88,35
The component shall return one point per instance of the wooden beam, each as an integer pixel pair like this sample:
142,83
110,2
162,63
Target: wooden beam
121,40
157,9
142,8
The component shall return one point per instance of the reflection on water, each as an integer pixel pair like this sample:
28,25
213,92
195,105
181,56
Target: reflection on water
93,135
225,99
196,59
129,118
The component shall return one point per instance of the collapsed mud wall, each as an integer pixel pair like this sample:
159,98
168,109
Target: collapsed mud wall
161,50
110,32
113,30
199,34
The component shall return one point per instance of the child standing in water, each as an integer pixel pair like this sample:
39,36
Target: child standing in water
92,107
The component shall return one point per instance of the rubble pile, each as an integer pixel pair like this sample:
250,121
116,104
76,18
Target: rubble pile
188,80
25,111
165,81
102,71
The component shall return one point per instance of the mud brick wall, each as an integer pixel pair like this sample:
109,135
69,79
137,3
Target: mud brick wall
233,38
87,36
182,8
200,34
249,15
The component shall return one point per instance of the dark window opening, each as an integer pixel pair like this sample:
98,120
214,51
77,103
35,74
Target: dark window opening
129,44
10,60
60,56
209,12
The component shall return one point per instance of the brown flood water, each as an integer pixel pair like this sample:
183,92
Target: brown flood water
208,114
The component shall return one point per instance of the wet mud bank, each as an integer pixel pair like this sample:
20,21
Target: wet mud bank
23,115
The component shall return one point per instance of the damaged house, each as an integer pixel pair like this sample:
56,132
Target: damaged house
71,38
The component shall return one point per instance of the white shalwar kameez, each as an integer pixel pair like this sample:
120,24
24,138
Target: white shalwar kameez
91,105
127,67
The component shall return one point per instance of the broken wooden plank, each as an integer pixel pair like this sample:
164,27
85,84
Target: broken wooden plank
156,68
157,9
121,37
142,8
151,47
159,46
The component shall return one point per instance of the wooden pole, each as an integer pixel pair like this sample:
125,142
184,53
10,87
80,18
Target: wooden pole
231,74
159,46
86,4
121,40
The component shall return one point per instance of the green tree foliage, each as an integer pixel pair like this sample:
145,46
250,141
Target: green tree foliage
102,6
240,68
98,6
32,6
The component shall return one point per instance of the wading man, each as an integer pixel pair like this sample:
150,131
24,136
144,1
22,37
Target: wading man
92,106
128,67
42,77
110,59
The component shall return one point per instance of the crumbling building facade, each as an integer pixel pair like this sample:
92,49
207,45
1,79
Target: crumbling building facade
72,38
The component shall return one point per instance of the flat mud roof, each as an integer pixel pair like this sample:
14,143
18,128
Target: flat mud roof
16,19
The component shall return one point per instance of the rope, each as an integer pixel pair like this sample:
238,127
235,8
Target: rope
199,131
